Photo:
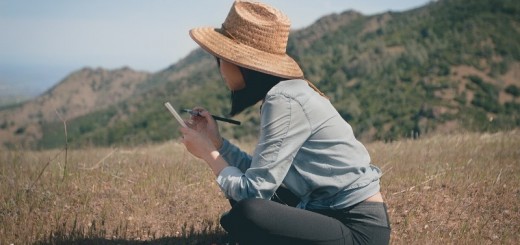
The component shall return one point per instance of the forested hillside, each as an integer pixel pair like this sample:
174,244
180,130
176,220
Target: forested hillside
451,64
447,66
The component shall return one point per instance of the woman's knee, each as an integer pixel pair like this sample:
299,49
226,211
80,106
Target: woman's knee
246,211
250,209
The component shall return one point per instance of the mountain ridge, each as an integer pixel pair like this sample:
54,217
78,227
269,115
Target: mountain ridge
446,66
80,93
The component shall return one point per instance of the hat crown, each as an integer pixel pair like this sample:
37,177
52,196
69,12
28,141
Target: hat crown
258,26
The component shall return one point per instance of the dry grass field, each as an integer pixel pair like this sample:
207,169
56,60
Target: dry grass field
442,189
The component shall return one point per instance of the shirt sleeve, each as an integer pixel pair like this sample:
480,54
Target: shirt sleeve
284,129
234,156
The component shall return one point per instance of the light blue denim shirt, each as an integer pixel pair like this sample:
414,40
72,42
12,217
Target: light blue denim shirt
304,145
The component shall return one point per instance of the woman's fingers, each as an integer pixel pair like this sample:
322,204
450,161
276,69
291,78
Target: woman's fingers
185,131
188,136
206,115
199,108
196,143
210,126
190,123
203,117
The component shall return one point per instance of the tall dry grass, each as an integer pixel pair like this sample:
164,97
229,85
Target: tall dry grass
147,193
454,189
459,189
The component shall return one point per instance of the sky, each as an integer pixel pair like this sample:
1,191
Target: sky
43,41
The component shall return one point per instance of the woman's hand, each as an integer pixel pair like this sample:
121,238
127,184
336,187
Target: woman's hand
202,139
205,124
202,136
197,143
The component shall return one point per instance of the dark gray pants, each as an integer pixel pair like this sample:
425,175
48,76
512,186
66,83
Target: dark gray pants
259,221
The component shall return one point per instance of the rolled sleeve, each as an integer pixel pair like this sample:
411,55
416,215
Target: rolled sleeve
226,180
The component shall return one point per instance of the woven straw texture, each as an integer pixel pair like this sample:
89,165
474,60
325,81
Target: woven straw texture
254,35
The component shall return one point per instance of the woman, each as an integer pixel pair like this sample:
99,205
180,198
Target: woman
309,181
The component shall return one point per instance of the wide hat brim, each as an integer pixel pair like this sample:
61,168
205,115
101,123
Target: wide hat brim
221,46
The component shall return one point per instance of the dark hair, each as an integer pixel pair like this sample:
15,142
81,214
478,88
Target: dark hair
257,86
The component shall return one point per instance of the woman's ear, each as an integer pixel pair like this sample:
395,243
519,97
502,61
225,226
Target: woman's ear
232,75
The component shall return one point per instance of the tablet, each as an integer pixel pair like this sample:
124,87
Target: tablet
175,114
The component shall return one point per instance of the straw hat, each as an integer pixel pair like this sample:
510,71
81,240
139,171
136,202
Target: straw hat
254,35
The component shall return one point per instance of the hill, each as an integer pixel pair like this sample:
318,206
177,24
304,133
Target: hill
80,93
448,66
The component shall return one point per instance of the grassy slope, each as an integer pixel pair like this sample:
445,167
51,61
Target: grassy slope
461,189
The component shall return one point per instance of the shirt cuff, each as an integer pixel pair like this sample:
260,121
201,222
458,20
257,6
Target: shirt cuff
225,147
225,179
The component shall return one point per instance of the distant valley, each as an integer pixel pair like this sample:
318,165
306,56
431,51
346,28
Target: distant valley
21,82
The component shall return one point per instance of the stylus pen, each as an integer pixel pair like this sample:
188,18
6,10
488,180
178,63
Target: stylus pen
223,119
